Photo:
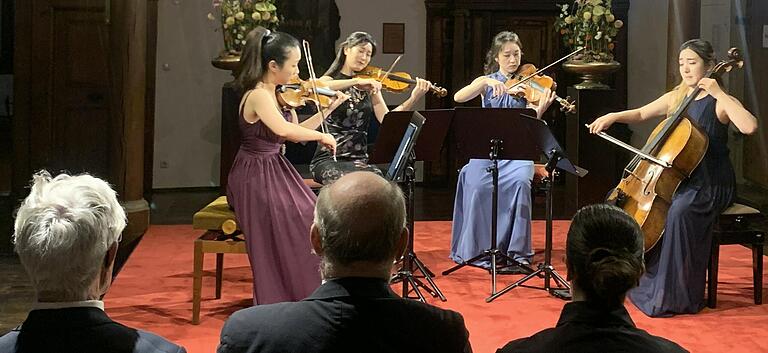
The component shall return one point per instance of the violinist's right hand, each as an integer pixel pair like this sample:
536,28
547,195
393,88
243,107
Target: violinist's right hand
337,100
602,123
518,90
496,85
368,84
328,142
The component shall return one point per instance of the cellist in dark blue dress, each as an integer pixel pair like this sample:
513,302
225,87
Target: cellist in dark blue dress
676,267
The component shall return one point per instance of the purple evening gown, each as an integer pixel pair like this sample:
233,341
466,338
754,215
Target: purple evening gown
274,209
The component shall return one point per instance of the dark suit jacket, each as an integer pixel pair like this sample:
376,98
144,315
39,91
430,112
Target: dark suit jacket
346,315
80,330
583,329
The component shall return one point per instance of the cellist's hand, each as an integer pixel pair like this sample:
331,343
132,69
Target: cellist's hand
602,123
711,86
368,84
496,85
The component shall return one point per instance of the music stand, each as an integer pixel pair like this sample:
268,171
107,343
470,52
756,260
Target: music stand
475,129
397,137
541,137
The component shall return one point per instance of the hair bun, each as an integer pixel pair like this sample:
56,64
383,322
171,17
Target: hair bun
598,254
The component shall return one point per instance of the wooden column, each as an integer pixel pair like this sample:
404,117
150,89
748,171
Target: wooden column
129,26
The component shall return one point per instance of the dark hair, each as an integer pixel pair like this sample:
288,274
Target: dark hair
354,39
702,48
261,47
604,253
499,40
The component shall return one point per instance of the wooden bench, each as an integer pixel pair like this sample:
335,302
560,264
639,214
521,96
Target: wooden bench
222,236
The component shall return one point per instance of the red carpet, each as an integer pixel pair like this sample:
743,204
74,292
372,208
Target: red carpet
154,292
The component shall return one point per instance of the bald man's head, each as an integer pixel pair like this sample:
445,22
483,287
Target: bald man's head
359,218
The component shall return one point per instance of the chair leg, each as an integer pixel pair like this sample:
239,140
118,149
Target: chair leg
712,275
757,272
219,273
197,281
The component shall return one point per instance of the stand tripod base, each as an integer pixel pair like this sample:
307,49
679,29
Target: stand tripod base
408,277
562,291
494,256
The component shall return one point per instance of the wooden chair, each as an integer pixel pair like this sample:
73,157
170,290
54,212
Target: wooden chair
734,227
221,236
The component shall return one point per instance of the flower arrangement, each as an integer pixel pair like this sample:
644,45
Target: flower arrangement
238,17
589,24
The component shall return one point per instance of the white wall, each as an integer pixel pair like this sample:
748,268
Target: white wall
187,102
188,97
187,107
356,15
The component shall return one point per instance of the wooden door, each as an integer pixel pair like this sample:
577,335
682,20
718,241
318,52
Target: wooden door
69,121
80,83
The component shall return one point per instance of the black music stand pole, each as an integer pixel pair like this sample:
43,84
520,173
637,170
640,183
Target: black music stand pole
508,141
430,141
556,159
407,273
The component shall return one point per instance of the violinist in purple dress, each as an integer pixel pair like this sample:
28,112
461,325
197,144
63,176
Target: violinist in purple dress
273,206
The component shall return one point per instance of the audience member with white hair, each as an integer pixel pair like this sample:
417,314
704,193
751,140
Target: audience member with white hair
354,310
66,235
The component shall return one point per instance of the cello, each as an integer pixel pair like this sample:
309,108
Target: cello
671,154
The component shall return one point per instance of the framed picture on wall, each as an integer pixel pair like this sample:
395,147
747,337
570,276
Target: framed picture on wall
393,38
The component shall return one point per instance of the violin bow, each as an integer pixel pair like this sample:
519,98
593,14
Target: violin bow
391,67
523,80
312,79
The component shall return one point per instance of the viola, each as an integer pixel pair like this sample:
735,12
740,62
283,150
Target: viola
536,84
297,93
395,81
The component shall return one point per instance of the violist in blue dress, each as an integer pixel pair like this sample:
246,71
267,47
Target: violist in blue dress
676,267
472,207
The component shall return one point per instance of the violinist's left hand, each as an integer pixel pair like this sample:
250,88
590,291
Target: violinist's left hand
711,86
547,97
420,89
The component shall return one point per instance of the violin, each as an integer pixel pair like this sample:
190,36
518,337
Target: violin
537,83
297,93
395,81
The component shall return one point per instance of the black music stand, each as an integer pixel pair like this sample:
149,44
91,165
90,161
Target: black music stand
475,129
540,136
396,139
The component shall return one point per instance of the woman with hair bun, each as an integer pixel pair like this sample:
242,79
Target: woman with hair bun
604,257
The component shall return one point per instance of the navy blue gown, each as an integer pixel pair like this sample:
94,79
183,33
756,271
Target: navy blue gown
676,267
472,206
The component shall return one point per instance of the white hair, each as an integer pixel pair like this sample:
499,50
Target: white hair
63,230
